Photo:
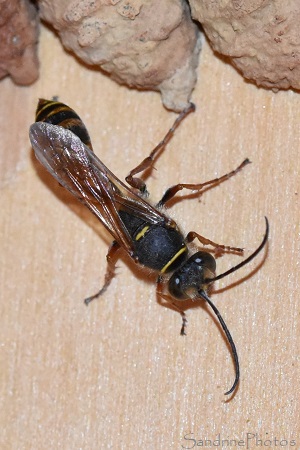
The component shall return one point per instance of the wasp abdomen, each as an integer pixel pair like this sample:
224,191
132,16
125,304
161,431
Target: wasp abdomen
58,113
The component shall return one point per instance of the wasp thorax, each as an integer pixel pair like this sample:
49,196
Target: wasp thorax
192,276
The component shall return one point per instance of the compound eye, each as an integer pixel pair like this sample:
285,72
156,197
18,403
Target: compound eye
205,260
175,287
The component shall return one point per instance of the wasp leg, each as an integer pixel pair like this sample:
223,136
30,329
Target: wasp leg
169,300
110,271
137,182
172,191
219,248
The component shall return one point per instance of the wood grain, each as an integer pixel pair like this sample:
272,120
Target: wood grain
118,374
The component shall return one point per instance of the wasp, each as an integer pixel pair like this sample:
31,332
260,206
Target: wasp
144,231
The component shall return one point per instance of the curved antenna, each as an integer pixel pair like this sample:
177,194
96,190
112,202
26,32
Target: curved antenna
202,293
246,261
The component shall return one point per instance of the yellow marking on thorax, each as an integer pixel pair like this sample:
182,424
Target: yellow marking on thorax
142,233
182,250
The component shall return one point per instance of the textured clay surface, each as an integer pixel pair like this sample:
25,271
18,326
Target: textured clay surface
18,38
146,44
261,37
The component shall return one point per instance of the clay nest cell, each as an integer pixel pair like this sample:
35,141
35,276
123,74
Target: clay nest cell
146,44
260,37
18,39
154,44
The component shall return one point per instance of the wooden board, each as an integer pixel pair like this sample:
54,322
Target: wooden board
118,374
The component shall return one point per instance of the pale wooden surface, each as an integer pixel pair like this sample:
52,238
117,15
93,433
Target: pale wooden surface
118,374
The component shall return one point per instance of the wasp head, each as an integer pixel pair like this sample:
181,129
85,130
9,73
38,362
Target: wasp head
193,276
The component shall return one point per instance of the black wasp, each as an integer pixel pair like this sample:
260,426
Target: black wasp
152,239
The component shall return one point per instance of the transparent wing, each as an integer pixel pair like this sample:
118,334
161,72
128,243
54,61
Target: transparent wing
79,170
